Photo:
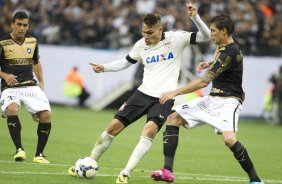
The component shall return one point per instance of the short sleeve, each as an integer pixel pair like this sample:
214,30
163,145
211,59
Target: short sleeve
36,56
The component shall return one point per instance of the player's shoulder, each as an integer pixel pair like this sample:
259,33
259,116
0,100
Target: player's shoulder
140,44
175,33
232,48
30,39
6,40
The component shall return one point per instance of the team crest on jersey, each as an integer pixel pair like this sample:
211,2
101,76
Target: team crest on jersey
168,44
28,50
159,58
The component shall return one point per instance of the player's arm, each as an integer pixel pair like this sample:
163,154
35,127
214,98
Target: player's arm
37,68
204,32
114,66
222,63
194,85
10,79
203,65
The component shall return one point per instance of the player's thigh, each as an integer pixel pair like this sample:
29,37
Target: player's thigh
134,108
158,113
35,100
190,114
10,98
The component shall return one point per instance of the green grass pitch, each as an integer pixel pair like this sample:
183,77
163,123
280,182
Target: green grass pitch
201,157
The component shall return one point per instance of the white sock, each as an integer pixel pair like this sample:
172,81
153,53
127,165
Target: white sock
139,152
101,145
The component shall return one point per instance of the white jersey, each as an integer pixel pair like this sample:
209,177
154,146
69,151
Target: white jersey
162,62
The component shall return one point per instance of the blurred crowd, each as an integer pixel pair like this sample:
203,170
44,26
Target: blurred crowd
114,24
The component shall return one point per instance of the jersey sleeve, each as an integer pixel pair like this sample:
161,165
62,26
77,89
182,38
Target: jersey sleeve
36,56
222,63
134,55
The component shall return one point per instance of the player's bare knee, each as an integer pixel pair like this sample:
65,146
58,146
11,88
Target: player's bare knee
229,141
12,109
44,116
115,127
174,119
150,130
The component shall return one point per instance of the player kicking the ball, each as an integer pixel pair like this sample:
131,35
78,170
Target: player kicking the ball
161,54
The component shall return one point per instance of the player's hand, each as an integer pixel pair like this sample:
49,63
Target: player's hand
97,68
166,96
191,10
10,79
201,66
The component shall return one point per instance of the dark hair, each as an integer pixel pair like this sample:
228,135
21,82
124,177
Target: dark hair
223,21
21,14
152,19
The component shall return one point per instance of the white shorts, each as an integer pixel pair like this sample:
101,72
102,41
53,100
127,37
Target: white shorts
220,113
32,97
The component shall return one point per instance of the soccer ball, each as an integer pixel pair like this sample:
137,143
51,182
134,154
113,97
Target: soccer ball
86,167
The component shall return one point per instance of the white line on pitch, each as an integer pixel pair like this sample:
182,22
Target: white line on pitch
181,176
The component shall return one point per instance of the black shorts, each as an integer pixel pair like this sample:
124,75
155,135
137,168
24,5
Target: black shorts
140,104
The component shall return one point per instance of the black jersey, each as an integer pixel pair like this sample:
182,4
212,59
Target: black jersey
228,70
18,59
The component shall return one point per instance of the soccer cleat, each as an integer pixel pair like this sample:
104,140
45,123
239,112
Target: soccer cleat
163,175
256,182
122,179
20,155
40,159
71,171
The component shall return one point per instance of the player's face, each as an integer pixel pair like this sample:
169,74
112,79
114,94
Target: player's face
152,34
218,36
20,27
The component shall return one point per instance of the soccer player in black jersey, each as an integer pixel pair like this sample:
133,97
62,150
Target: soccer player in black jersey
220,109
19,58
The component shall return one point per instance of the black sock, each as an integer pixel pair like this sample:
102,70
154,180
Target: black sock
14,126
43,132
170,142
241,154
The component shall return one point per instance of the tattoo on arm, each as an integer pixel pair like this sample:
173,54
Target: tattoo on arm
208,77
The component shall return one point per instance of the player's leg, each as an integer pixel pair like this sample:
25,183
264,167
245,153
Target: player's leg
130,111
43,132
38,104
106,138
10,105
142,147
187,115
241,155
157,115
14,126
170,143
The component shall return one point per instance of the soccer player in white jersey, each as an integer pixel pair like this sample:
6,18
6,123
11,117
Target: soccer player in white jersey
161,54
220,109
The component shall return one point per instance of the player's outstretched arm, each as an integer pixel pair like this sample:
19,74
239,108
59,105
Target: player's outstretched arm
114,66
204,32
